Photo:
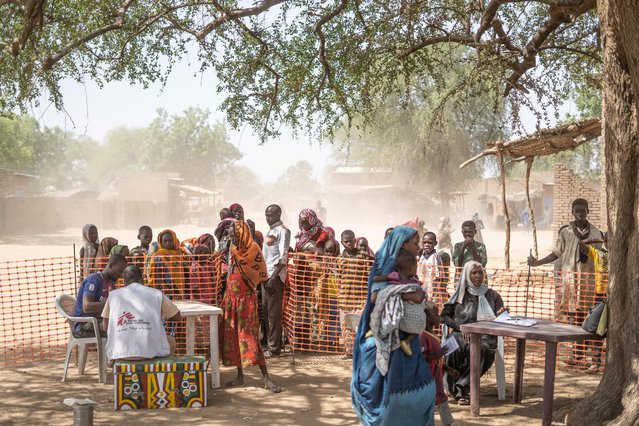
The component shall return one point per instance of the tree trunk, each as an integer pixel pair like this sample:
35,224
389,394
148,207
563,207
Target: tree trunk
617,396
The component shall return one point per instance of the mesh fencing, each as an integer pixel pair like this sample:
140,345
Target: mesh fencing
322,297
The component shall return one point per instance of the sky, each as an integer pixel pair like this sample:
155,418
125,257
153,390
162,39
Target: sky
93,111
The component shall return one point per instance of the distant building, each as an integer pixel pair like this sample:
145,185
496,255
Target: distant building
14,183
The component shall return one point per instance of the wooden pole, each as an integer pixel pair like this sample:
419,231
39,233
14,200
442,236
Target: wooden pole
529,162
504,205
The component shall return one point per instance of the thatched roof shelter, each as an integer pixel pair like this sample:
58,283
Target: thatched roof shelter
543,142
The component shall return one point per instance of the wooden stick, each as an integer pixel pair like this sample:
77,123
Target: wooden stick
502,182
529,162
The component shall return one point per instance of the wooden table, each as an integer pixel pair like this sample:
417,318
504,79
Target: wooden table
190,309
547,331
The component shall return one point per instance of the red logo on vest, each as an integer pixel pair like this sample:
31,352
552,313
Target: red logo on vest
126,316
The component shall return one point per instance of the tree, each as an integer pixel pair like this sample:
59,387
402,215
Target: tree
426,155
317,64
58,158
189,144
185,143
297,179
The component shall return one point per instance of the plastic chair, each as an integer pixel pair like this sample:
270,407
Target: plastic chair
351,321
500,367
65,303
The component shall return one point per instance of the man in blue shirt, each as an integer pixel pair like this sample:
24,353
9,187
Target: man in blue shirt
93,293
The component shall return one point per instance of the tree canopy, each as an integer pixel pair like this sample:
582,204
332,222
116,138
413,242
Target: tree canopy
184,143
310,65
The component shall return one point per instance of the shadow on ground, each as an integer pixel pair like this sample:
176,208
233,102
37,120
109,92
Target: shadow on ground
316,392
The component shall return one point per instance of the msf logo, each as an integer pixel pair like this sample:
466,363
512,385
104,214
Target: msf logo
126,316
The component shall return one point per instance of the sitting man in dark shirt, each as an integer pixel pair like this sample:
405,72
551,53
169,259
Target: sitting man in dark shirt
93,293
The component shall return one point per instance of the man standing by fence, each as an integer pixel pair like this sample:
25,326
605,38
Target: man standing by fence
577,290
275,250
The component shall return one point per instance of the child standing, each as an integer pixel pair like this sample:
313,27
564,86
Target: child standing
599,259
433,354
145,235
89,250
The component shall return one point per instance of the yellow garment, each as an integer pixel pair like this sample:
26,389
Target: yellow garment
166,268
600,260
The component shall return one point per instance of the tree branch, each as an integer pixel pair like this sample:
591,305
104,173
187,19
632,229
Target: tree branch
235,14
328,75
118,24
272,96
563,12
33,13
429,41
591,55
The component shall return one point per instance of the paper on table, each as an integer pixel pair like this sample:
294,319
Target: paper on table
521,321
450,345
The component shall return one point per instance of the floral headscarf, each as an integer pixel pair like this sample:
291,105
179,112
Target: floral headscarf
247,255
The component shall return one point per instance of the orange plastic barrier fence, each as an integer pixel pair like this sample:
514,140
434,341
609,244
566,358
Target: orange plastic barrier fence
320,293
30,327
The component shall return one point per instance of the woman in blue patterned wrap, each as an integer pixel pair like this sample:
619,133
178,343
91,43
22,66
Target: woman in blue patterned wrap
406,394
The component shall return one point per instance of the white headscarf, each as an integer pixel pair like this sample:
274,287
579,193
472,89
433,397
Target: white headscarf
90,249
484,311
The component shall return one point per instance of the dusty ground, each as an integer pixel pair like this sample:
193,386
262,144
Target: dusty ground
316,392
316,388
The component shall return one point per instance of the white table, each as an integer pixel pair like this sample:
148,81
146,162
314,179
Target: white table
189,309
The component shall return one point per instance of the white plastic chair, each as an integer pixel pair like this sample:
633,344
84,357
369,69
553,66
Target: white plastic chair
500,369
65,303
351,321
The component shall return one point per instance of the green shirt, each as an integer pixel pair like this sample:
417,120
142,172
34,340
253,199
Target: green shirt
468,254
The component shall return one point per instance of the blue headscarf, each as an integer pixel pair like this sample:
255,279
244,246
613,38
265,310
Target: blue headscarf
408,378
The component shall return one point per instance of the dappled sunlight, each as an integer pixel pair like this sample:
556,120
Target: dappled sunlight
315,391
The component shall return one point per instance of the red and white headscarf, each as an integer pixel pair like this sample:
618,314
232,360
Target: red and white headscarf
312,234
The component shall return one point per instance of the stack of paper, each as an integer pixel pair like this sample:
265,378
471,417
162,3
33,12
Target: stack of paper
521,321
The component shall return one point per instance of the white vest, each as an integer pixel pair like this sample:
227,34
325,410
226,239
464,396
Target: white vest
135,323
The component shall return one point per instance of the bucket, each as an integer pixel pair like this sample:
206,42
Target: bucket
83,415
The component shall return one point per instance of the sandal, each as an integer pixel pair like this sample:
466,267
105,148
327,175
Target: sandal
463,401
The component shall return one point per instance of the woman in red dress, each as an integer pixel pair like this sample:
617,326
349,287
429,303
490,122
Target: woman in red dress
241,344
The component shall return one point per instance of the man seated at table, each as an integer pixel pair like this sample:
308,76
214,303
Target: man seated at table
133,319
93,293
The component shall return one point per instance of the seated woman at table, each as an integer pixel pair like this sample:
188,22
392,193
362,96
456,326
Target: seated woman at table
472,301
241,332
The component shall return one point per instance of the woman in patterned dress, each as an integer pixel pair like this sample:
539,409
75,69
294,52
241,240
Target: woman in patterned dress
241,336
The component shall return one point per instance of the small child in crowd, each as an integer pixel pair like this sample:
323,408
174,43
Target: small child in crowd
89,250
145,235
433,354
348,241
365,252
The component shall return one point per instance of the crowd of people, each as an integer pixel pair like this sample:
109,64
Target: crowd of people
400,373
